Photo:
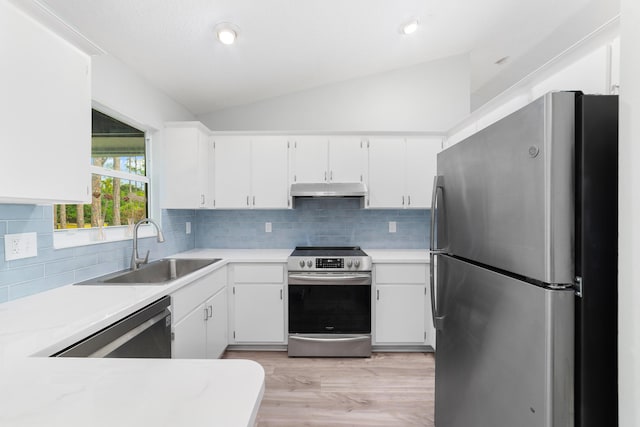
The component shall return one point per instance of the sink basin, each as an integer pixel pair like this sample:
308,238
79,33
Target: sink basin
155,273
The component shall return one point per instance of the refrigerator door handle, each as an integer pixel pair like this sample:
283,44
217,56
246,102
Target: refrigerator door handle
438,185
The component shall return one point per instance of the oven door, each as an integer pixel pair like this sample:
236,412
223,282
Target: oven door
329,303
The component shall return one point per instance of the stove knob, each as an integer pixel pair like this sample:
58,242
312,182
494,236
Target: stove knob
309,263
357,263
302,263
349,263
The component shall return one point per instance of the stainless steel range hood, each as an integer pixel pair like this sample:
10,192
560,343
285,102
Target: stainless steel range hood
328,190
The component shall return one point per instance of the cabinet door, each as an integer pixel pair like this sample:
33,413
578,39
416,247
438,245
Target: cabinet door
205,170
232,172
45,114
269,167
259,313
189,335
386,173
217,325
400,314
346,159
421,168
185,173
310,159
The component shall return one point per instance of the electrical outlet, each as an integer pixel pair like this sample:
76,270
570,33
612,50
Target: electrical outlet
188,228
392,226
267,227
22,245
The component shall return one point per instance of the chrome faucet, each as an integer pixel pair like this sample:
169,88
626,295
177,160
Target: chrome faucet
135,260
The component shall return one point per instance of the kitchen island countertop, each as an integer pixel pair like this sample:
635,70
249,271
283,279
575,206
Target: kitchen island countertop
81,392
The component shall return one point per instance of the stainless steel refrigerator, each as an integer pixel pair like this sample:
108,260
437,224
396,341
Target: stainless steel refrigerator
524,254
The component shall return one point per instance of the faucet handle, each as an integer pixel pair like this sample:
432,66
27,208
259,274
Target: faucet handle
146,257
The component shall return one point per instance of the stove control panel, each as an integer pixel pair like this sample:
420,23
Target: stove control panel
329,264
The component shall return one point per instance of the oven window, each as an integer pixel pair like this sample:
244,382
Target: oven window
338,309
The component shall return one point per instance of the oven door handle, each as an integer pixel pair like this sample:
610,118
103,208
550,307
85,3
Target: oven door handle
338,279
330,339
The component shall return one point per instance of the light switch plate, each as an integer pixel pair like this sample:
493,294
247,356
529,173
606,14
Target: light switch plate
392,226
267,227
188,227
21,245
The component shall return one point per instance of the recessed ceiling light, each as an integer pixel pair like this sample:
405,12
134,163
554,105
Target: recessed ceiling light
226,32
410,27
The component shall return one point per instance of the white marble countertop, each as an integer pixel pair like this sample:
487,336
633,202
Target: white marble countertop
37,390
40,391
398,255
240,255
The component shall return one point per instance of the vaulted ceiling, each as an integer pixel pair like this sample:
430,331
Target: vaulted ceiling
287,46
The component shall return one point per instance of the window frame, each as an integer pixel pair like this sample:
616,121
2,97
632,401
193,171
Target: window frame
68,238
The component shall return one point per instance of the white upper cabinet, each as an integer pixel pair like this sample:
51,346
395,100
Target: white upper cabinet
269,172
232,172
328,159
188,156
310,158
255,171
421,155
45,114
401,171
386,173
347,158
251,172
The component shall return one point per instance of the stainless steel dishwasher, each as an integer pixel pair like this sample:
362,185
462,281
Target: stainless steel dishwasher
143,334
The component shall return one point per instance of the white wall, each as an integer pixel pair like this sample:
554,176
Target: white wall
629,225
589,66
428,97
116,87
593,16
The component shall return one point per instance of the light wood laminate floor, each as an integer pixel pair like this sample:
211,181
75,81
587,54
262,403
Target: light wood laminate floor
389,389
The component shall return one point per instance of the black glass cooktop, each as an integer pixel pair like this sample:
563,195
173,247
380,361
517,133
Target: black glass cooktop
315,251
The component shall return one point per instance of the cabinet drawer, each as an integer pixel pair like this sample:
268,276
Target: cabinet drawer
400,273
184,300
258,273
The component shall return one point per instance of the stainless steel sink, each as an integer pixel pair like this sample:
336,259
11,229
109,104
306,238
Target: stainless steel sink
155,273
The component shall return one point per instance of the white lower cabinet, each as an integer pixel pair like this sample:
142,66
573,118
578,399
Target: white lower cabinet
189,336
258,304
217,324
402,305
200,318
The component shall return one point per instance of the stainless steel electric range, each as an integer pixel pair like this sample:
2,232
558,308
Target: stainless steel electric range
329,302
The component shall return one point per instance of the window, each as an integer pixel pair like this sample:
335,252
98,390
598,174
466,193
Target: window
119,182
